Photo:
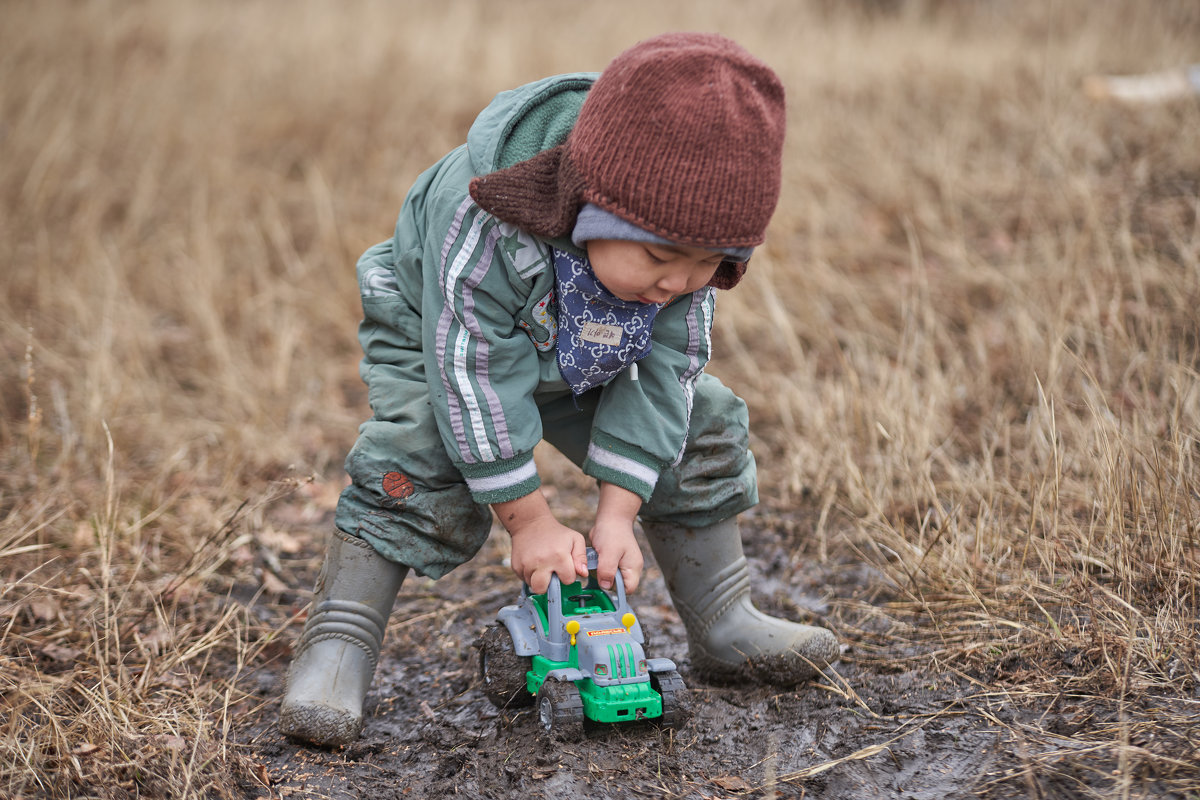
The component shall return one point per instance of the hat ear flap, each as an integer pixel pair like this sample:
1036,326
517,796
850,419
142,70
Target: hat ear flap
728,275
540,195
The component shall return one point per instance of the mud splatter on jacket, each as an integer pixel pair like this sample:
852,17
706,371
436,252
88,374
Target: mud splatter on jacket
478,296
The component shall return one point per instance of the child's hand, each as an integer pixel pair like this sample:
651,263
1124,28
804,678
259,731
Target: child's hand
613,538
617,548
541,545
541,551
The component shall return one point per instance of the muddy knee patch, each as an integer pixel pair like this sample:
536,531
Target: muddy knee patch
397,486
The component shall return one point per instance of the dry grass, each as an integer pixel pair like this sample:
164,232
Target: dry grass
971,347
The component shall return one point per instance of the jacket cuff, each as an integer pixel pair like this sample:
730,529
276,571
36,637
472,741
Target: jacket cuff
501,481
613,461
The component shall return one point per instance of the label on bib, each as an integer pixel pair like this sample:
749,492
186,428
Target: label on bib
599,333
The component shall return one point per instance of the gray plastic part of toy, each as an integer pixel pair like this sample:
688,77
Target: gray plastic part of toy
522,620
660,664
520,628
565,674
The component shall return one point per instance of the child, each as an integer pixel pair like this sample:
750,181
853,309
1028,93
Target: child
554,279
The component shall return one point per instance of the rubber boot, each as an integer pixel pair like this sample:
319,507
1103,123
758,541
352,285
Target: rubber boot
337,652
709,581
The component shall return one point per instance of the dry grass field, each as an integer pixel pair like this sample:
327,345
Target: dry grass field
971,349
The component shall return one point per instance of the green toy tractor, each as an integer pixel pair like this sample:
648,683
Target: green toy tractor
579,653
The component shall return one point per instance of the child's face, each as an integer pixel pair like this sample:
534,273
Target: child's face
642,272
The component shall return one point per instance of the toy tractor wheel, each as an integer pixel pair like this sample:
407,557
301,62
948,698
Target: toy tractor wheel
560,709
501,670
676,702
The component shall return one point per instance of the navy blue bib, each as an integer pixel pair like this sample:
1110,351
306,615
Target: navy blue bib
599,334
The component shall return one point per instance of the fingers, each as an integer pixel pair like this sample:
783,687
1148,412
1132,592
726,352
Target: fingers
538,581
579,554
631,569
630,563
606,567
569,566
539,578
632,576
534,572
566,557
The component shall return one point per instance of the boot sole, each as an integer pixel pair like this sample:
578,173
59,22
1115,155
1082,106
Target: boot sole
320,725
775,669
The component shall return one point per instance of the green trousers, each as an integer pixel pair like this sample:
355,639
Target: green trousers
410,503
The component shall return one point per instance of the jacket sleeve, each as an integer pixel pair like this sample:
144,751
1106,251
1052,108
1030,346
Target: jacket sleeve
641,425
482,368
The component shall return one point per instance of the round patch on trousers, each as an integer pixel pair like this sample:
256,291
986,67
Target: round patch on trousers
397,485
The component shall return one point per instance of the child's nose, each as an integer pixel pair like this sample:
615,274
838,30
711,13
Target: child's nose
674,281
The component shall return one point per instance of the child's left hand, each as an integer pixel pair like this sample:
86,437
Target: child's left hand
612,537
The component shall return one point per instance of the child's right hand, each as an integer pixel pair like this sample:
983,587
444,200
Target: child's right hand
540,552
541,545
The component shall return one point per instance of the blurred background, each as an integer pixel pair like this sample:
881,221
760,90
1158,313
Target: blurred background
187,186
970,346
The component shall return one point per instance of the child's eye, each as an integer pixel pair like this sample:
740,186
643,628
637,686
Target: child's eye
655,257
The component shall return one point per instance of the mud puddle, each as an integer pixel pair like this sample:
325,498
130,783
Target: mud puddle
860,732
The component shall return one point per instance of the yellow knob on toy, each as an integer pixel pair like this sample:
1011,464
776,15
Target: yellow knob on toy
628,620
572,628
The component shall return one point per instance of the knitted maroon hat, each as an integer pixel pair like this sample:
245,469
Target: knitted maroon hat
681,135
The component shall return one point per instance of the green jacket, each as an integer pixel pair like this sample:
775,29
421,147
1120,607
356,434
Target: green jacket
478,305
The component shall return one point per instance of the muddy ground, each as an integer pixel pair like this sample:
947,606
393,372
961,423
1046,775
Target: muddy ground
894,720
